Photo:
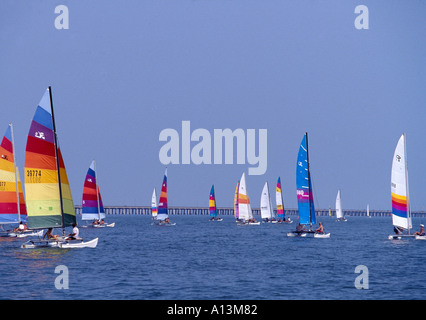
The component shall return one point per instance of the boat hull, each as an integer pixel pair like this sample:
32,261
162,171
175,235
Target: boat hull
62,244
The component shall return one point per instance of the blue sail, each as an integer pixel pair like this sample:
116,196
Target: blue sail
305,198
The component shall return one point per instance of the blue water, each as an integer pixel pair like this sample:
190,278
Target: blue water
197,259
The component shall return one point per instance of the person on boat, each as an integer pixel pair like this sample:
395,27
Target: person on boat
421,232
300,228
74,234
49,236
102,222
95,222
167,220
320,229
21,228
397,230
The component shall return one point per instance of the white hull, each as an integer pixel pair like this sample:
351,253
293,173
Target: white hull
248,223
405,236
111,225
311,234
76,244
63,244
25,234
322,235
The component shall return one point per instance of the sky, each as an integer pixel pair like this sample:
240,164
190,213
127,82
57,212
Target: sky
126,70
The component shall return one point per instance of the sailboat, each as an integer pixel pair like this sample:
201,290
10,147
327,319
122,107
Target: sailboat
280,205
266,212
401,214
339,211
154,207
212,206
92,208
163,216
47,190
12,204
236,213
305,199
244,208
368,211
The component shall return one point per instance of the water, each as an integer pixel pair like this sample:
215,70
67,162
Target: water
197,259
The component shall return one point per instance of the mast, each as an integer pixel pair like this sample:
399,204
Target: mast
16,171
97,190
309,181
57,161
406,185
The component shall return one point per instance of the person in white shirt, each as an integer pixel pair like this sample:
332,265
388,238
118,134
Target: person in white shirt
74,234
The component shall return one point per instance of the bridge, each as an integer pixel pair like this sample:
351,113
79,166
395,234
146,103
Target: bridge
145,210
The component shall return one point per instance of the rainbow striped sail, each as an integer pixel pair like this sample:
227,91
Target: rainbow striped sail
244,207
401,216
236,212
10,193
154,208
162,205
305,199
49,203
279,200
92,207
212,204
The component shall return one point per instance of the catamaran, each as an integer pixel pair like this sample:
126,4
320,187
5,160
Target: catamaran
92,208
212,206
245,214
401,213
12,203
305,199
163,216
47,190
266,212
339,211
154,207
236,213
280,205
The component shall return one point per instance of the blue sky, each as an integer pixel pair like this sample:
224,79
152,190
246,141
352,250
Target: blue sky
126,70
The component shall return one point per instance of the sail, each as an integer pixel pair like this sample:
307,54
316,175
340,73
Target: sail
244,208
305,199
279,200
236,213
162,206
212,204
10,212
368,210
92,206
154,208
265,203
339,211
42,189
399,187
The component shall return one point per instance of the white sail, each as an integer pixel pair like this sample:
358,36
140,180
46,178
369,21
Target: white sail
154,204
244,208
401,216
339,211
368,210
265,203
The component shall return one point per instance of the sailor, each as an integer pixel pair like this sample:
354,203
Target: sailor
421,232
320,229
74,234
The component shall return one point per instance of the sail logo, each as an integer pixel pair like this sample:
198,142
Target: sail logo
398,158
177,149
40,135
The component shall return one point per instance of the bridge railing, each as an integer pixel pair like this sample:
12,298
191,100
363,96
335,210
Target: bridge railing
144,210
